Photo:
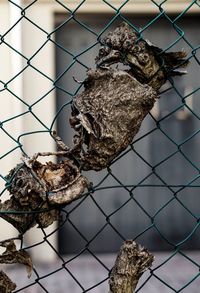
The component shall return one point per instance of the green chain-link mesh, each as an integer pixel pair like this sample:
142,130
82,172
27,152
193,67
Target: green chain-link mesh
174,189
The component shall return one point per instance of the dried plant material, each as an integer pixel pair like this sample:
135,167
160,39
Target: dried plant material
22,218
63,181
6,285
13,256
108,113
39,190
132,261
148,63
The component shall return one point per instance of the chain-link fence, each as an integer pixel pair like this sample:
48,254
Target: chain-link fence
150,191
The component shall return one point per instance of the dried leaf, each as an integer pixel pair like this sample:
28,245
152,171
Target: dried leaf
10,211
147,63
132,261
38,190
6,285
63,181
115,104
109,112
70,192
12,256
24,217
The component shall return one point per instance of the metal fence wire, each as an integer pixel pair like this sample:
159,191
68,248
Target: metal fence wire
185,110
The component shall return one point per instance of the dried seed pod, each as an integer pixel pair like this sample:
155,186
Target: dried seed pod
109,112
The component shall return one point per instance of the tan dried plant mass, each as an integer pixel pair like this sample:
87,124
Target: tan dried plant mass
38,191
6,284
131,262
13,256
109,112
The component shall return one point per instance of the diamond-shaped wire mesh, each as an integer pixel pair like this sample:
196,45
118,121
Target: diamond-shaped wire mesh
150,192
